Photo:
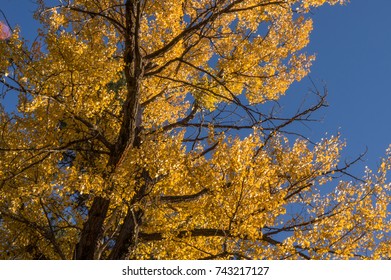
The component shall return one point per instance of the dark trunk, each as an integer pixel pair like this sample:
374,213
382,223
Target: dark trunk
92,232
128,235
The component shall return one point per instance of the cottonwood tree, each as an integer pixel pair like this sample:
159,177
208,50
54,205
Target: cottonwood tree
144,130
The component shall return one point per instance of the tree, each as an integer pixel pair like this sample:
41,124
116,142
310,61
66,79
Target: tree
145,130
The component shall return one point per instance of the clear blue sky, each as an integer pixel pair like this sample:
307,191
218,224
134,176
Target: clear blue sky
353,47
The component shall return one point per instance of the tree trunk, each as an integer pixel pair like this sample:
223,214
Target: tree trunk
134,69
92,230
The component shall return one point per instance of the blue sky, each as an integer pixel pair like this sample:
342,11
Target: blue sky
353,44
353,48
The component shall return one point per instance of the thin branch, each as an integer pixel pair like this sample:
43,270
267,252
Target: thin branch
183,198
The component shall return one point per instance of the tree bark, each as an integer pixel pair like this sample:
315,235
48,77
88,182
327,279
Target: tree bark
128,235
92,230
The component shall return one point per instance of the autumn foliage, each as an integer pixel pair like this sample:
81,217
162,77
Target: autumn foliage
144,130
